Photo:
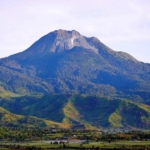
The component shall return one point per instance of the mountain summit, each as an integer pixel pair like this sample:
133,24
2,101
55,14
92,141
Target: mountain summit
60,41
68,62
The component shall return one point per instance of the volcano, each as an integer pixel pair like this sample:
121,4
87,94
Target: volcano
68,63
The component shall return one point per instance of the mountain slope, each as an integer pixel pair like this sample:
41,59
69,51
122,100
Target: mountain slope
14,120
67,62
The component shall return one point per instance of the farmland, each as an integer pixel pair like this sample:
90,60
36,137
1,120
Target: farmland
44,139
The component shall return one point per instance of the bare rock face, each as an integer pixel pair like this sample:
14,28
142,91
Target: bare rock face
66,40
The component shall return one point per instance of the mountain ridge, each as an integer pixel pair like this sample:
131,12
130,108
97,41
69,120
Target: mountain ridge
68,111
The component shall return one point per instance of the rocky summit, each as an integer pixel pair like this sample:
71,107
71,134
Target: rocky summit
67,63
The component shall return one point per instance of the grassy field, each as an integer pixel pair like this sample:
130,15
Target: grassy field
140,145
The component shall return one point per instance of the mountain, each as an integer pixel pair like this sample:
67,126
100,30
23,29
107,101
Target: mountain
68,63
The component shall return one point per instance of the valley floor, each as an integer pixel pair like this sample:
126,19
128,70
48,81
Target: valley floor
42,145
46,139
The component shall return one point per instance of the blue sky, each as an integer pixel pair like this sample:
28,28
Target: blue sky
123,25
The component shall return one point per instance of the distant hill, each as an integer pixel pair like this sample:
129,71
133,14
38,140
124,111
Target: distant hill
66,111
8,119
68,63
